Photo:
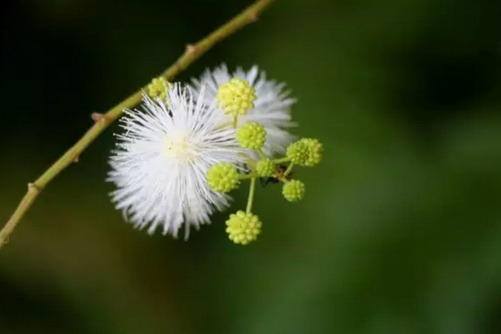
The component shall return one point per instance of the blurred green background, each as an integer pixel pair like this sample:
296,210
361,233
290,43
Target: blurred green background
400,231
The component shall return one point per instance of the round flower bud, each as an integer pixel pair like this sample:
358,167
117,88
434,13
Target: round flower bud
298,152
223,177
236,97
243,227
293,190
158,88
315,151
265,168
251,135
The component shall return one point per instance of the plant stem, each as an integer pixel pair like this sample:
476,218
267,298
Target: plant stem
247,176
289,169
250,200
261,154
102,121
281,160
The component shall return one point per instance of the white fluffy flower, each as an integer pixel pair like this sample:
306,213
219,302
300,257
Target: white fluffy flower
271,108
161,162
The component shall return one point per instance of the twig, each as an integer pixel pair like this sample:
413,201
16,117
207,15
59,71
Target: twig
102,121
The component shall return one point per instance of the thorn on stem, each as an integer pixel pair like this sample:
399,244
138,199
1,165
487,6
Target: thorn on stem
76,160
191,48
33,186
98,117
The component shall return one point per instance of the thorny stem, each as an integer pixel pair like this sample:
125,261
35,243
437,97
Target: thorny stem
102,121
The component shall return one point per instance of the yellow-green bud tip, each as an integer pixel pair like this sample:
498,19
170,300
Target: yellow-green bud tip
293,190
236,97
158,88
223,177
251,135
243,227
265,168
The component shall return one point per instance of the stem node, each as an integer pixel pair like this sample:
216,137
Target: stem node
34,188
98,117
253,17
191,48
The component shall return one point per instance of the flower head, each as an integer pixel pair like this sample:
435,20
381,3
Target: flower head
251,135
298,152
158,88
223,177
293,190
265,168
161,162
315,151
305,152
236,97
271,107
243,227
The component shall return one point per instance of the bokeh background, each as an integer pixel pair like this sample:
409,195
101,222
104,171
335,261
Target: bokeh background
400,231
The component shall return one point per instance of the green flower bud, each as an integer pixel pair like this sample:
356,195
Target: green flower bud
265,168
298,152
236,97
223,177
243,227
158,88
251,135
293,190
315,151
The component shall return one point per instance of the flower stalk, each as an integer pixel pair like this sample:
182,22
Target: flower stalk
250,200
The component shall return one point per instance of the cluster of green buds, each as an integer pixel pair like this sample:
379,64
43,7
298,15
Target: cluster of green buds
243,227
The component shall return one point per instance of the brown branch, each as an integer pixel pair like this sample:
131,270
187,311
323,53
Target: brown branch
102,121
